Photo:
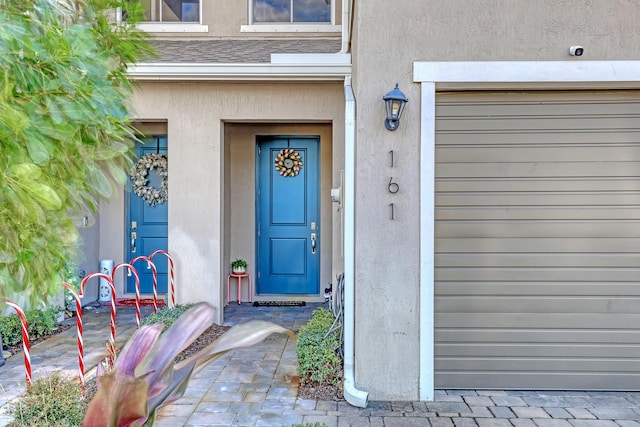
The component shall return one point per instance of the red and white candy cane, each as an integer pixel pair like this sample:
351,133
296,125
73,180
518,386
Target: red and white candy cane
79,328
154,272
112,337
171,275
26,346
130,269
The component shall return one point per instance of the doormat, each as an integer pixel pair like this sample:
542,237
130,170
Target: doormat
131,302
279,303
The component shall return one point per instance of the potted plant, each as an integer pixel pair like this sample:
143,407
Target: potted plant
239,266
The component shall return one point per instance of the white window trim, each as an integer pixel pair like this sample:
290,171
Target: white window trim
168,27
485,75
290,28
286,27
171,27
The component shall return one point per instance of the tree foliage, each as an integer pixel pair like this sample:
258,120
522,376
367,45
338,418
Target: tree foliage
65,133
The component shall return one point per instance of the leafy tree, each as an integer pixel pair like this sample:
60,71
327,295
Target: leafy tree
65,132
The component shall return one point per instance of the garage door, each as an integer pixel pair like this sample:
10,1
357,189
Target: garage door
538,240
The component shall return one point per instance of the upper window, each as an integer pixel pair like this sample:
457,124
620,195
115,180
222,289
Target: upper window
291,11
171,10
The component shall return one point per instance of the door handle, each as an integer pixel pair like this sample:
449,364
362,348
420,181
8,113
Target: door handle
134,235
313,243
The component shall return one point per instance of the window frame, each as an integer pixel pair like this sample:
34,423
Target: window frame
291,27
174,27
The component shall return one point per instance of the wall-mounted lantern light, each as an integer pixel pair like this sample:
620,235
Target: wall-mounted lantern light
394,102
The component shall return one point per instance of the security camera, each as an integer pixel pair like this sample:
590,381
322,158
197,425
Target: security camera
576,50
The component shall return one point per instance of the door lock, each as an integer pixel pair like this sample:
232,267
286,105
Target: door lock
134,235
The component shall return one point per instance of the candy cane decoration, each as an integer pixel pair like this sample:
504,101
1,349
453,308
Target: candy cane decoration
154,272
79,328
171,275
25,340
131,269
112,337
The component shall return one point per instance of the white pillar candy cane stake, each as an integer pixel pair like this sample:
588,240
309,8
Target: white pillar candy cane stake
154,272
112,337
130,269
172,288
76,297
26,346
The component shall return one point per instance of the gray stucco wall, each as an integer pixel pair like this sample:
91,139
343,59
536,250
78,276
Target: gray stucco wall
388,37
199,224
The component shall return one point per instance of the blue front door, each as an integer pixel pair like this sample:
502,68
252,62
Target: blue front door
288,226
147,225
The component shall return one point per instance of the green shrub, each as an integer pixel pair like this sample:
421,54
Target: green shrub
10,329
53,401
41,322
166,315
318,358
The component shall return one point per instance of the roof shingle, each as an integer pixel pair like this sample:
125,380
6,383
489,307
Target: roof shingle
235,51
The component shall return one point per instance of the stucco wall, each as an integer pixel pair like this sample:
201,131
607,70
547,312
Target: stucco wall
387,285
241,221
225,19
194,113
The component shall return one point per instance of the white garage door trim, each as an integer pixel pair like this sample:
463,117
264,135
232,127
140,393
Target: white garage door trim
484,74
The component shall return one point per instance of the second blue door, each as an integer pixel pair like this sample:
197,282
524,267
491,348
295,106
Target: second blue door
147,226
288,227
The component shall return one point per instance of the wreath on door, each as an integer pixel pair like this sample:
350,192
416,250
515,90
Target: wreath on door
288,162
140,178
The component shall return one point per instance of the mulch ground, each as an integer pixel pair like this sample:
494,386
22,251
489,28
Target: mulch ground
13,349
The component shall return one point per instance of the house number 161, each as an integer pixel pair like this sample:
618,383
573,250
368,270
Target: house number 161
392,187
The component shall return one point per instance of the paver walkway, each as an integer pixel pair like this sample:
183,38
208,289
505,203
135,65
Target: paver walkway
257,387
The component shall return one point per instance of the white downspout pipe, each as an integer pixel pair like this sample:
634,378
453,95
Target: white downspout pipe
346,27
352,395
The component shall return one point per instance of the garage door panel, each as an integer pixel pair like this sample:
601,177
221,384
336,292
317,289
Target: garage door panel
535,380
515,274
542,152
546,288
508,213
544,123
535,321
555,104
536,170
503,200
533,305
528,229
549,352
518,138
455,185
535,245
538,364
547,260
470,336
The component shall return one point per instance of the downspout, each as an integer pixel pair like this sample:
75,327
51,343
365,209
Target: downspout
352,395
346,26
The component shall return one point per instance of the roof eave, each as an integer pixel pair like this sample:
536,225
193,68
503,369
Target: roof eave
212,72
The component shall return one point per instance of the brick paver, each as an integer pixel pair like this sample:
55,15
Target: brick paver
256,387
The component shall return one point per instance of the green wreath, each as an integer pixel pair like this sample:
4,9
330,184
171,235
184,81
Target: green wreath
140,179
288,162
